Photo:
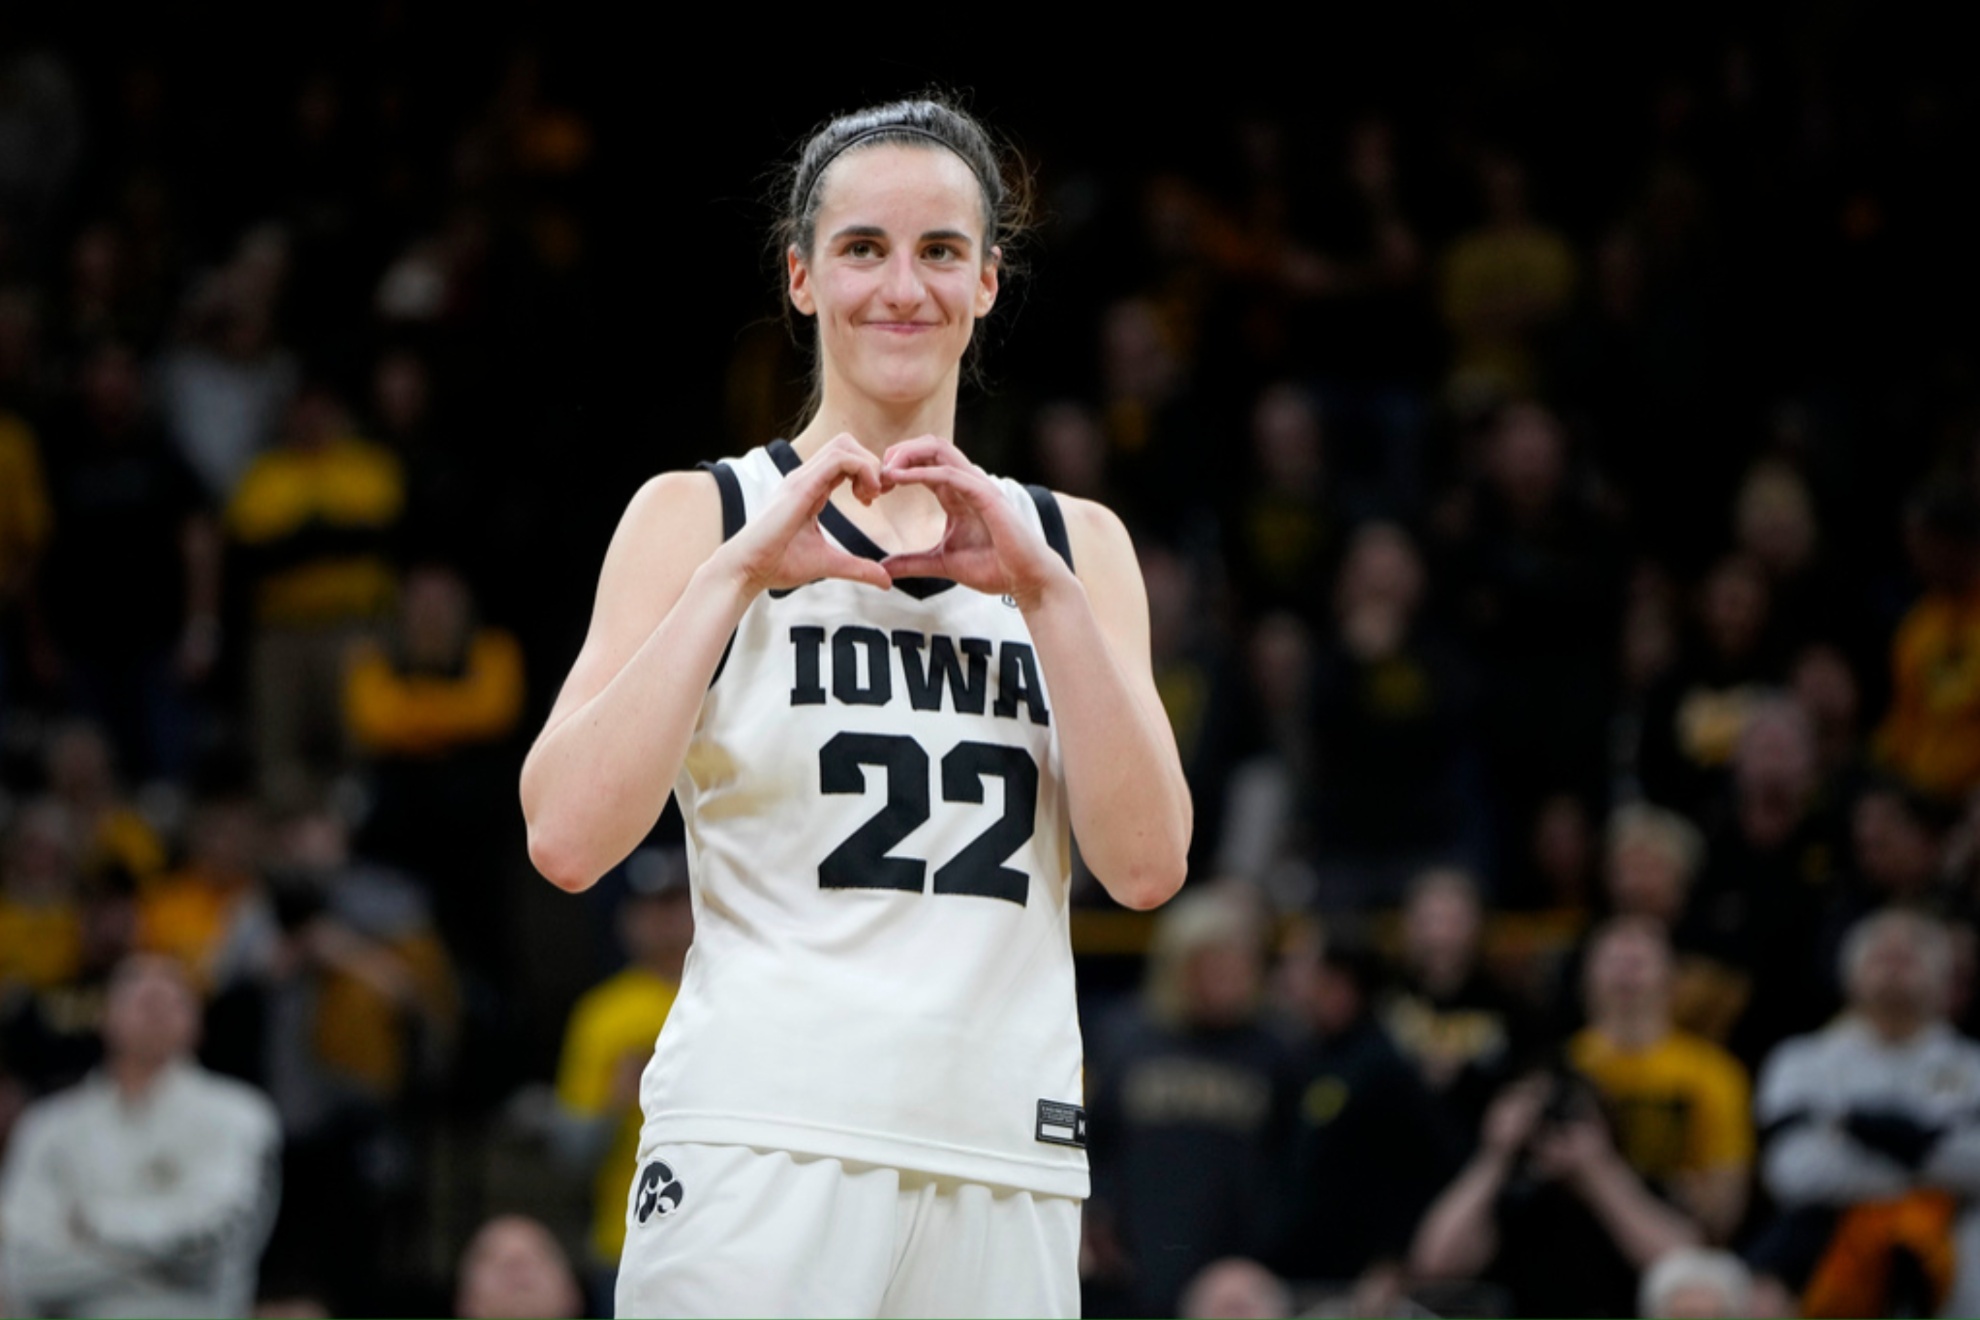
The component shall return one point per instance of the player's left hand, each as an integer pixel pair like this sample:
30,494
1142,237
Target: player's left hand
985,545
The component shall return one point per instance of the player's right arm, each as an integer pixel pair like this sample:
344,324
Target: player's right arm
669,597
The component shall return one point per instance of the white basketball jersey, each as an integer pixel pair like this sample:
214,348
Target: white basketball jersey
878,838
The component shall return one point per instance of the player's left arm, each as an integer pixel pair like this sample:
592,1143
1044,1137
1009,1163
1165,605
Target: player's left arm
1124,781
1131,809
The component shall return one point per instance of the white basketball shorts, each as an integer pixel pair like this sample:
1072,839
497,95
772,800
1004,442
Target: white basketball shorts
736,1231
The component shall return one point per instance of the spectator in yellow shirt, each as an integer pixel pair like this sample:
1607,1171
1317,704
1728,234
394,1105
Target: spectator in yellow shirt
312,524
1680,1104
431,705
1932,734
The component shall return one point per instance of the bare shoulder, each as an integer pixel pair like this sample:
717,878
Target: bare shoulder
1102,550
672,524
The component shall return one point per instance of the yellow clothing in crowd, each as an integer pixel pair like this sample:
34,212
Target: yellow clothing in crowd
1681,1106
190,916
393,713
325,513
1932,735
40,944
619,1018
25,519
1498,283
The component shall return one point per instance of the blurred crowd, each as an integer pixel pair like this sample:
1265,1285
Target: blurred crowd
1562,539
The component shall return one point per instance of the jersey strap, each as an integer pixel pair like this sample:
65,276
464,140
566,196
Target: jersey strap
732,497
1053,519
733,516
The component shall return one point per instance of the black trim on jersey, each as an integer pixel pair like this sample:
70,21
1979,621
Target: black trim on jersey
1054,520
733,517
847,534
732,497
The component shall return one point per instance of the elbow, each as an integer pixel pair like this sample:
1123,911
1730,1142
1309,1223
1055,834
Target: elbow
1148,885
560,861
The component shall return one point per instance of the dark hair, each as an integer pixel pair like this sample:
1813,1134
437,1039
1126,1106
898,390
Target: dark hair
927,121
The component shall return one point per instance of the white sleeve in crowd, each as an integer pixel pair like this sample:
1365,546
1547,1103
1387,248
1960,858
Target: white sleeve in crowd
46,1268
1809,1159
226,1201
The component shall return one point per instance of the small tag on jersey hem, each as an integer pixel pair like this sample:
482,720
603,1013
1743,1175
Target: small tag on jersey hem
1061,1124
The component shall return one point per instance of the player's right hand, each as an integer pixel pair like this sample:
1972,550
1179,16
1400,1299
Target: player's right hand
783,546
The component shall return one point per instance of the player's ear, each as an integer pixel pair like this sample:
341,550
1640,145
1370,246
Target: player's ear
986,285
798,271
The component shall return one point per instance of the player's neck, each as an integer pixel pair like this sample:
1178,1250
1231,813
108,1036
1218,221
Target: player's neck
878,424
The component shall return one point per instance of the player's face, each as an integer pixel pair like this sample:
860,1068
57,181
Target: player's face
897,274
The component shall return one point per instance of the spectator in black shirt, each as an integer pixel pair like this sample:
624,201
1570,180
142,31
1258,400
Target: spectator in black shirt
1188,1106
1392,709
1370,1147
1463,1031
132,581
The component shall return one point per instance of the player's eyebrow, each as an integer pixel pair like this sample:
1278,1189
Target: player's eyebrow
956,236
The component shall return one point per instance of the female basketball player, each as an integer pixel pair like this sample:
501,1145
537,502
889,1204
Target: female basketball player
882,683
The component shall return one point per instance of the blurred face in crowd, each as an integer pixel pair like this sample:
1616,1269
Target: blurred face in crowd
1280,658
112,389
1235,1290
898,274
1441,927
1894,850
1221,981
152,1014
79,763
1733,606
514,1268
1825,687
40,856
1774,770
1135,356
1286,440
1896,974
1564,848
1382,570
1629,971
1647,876
437,611
400,390
1528,458
315,419
1775,520
1071,449
225,837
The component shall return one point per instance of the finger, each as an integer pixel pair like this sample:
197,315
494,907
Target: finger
915,563
855,568
967,482
844,442
830,468
924,451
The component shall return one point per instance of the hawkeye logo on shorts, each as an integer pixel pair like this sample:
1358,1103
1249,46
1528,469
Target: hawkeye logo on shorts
1061,1124
659,1192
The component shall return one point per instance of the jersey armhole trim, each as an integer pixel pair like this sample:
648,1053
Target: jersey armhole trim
732,497
733,517
1053,520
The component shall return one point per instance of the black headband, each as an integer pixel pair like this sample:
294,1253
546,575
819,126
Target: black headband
866,135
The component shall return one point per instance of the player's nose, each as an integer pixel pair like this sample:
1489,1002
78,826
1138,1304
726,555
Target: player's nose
902,286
